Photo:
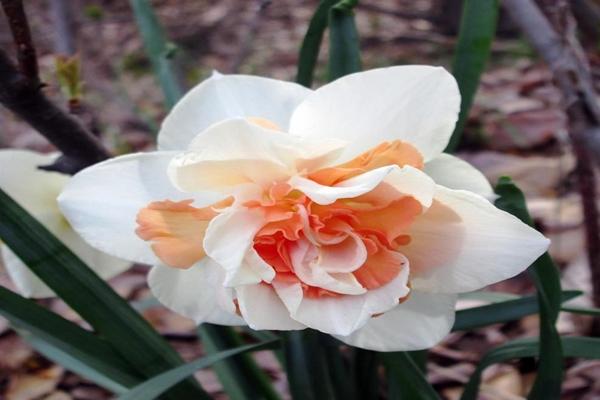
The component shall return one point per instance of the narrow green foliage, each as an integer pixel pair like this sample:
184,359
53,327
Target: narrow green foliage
405,378
110,315
67,343
365,373
581,347
546,278
240,376
344,49
309,51
594,312
477,29
339,371
306,366
503,311
159,50
154,387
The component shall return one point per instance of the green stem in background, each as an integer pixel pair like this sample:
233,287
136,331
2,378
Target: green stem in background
130,335
311,44
240,376
159,50
580,347
306,366
547,281
503,311
344,49
406,379
365,374
477,30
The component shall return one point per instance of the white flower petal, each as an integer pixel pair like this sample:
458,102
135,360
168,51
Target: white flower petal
229,96
414,103
420,322
236,151
454,173
345,314
463,243
102,202
34,189
407,180
262,309
196,292
229,240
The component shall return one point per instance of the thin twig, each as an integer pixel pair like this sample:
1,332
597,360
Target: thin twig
25,98
19,27
571,73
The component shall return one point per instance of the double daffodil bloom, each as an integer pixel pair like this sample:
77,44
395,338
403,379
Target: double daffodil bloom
36,191
279,207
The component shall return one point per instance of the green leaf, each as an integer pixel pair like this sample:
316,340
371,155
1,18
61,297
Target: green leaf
405,378
67,343
306,366
547,282
503,311
594,312
365,374
159,50
477,29
344,50
94,300
581,347
339,373
309,51
240,376
154,387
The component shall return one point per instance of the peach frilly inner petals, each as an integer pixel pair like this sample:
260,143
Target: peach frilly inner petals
176,229
307,264
343,248
387,153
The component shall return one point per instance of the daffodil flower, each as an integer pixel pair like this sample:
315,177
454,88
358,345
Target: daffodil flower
37,191
283,208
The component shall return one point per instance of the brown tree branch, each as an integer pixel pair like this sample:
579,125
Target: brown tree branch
19,27
23,97
571,73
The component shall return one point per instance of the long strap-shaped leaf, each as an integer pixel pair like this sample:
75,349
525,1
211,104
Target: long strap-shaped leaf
81,351
306,366
311,44
504,311
545,276
241,378
154,387
582,347
344,50
158,50
73,281
405,378
477,29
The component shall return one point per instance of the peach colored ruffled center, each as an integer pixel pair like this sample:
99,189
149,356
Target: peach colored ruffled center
379,220
293,217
